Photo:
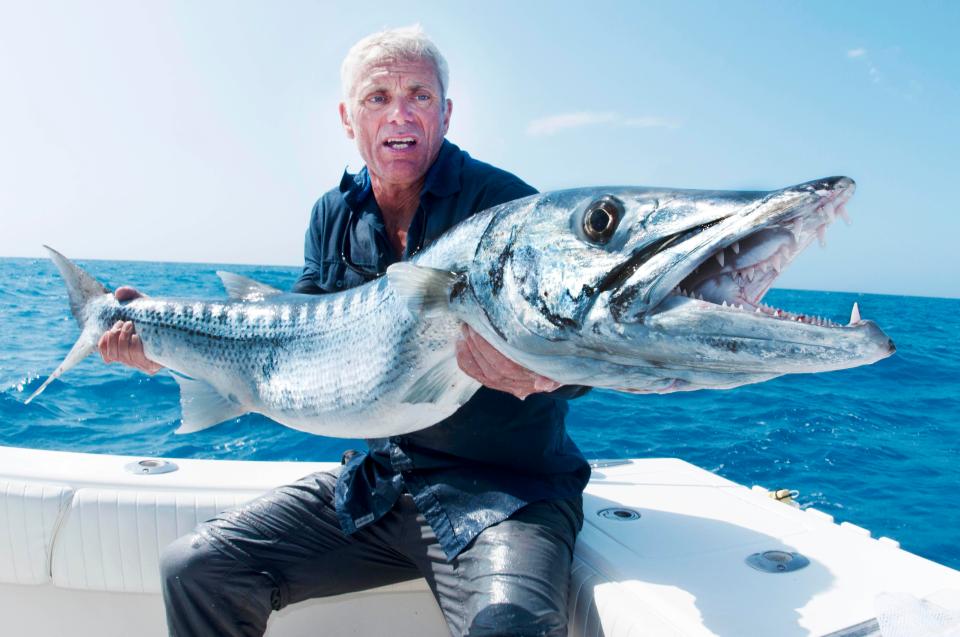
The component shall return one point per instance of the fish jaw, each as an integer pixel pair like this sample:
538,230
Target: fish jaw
745,249
698,306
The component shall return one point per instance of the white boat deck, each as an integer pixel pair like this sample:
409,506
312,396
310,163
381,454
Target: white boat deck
80,539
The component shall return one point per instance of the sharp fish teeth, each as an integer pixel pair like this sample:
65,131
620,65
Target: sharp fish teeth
842,211
830,211
822,236
777,262
854,314
796,228
719,256
736,247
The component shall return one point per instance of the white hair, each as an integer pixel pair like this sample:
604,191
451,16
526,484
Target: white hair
404,43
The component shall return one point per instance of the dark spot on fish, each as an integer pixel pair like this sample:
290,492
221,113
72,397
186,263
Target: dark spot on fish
557,319
496,270
723,343
490,320
458,288
621,301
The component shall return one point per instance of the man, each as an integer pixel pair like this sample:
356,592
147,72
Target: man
485,505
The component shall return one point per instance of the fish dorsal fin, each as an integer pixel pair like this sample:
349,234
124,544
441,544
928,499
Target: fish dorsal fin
241,288
422,289
444,382
202,406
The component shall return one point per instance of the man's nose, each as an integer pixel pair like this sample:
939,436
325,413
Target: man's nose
400,112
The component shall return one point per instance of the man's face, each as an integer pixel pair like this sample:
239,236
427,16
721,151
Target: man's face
399,119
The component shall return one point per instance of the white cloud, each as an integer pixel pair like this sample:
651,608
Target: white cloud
553,124
872,70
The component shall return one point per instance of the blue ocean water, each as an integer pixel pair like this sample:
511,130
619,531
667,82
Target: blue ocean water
878,445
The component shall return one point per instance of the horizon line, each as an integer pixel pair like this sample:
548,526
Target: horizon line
294,265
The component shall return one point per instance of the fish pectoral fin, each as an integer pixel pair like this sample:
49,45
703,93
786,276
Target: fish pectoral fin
423,289
202,406
444,382
241,288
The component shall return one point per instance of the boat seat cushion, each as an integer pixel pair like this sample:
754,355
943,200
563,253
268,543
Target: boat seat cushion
29,515
111,539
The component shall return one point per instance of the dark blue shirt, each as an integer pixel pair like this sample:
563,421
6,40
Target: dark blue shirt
496,454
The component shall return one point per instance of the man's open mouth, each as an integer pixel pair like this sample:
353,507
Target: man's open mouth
400,143
738,273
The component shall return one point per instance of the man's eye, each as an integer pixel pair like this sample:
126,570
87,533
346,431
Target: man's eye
376,99
423,98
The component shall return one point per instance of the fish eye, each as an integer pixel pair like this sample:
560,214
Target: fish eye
601,218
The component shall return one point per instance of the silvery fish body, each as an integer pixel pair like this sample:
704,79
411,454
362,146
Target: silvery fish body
642,290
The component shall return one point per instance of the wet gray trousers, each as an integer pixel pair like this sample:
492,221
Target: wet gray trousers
287,546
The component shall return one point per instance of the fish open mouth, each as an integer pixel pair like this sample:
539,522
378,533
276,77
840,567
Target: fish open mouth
740,272
732,262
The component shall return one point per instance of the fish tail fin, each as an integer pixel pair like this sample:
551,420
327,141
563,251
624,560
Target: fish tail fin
82,289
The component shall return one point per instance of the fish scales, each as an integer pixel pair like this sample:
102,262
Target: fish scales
643,290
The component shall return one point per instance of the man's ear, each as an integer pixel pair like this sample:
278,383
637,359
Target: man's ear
345,120
446,115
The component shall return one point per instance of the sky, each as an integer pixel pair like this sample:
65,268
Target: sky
205,131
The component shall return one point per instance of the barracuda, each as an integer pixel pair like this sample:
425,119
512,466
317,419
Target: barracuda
642,290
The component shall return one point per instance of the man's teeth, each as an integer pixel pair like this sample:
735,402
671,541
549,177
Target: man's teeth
403,142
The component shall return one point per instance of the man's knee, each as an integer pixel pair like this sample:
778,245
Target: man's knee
190,561
504,619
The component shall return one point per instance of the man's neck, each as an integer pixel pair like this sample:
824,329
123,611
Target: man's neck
399,204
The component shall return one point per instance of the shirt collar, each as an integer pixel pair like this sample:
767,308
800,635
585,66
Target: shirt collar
443,178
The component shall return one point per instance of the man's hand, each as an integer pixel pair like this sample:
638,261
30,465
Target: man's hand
479,359
120,344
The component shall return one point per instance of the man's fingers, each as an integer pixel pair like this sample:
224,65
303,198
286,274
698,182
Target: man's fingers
103,347
113,337
483,361
493,362
143,363
467,361
123,342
